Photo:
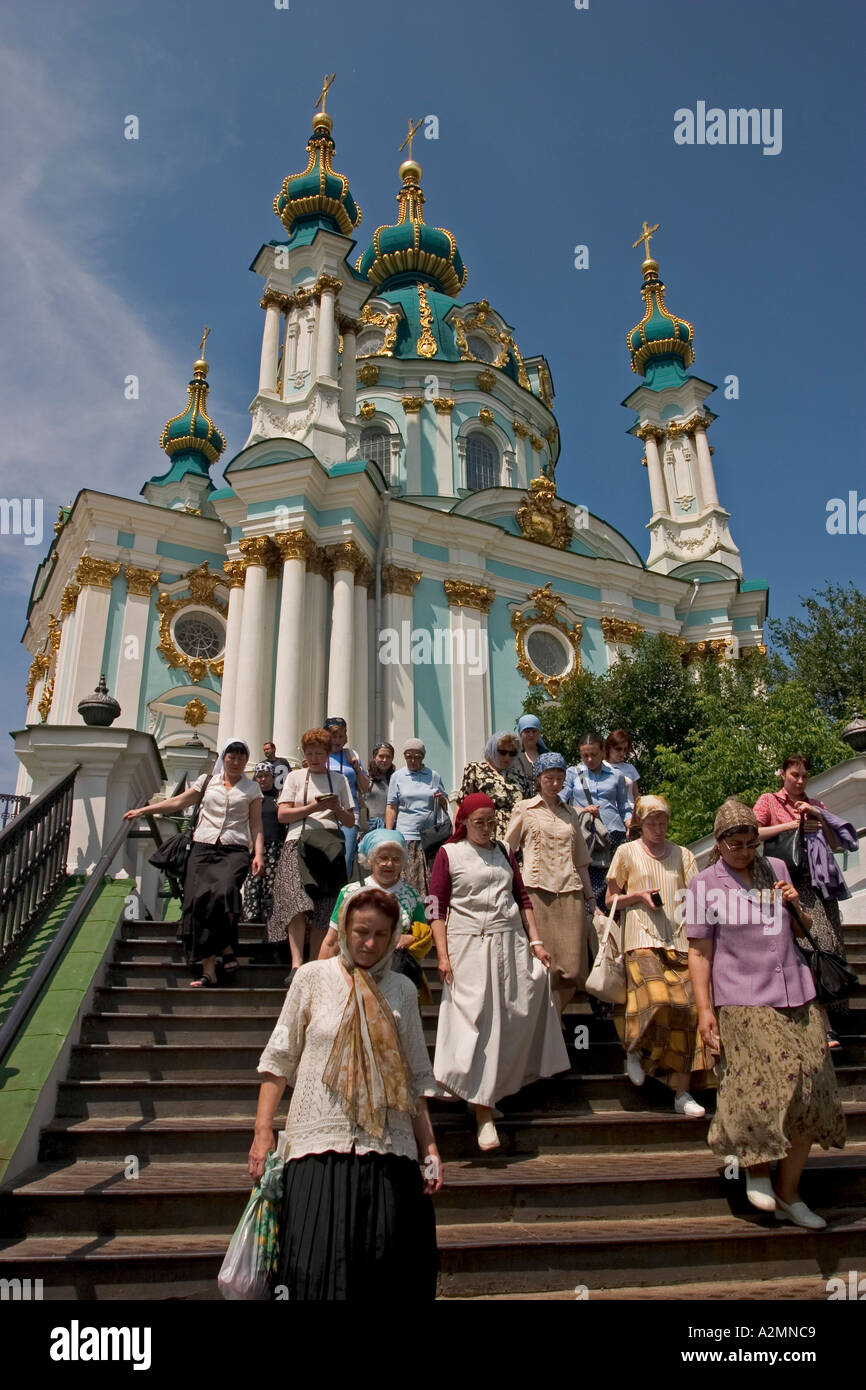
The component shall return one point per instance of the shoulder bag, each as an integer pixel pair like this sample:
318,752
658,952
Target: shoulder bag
438,831
322,853
789,846
173,854
607,978
595,833
833,976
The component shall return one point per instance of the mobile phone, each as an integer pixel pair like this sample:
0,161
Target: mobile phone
656,897
328,796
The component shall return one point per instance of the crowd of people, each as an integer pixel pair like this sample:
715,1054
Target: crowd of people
514,894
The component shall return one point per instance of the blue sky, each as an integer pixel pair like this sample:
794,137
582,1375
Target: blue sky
556,128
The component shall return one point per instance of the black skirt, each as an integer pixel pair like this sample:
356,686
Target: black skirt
212,899
356,1226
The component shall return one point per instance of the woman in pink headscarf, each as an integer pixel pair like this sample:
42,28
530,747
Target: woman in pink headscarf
498,1026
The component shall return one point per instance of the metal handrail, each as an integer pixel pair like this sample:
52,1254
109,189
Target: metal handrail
33,988
12,805
33,853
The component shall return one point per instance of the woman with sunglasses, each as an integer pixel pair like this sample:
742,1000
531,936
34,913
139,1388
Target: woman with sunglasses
497,777
756,1005
617,754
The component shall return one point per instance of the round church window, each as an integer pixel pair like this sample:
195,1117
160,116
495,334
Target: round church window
549,653
199,635
481,348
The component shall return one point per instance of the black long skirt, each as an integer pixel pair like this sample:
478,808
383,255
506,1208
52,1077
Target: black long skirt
356,1226
212,899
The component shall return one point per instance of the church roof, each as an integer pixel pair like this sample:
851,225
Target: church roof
318,196
660,345
409,252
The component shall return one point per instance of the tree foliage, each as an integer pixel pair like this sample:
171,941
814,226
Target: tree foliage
826,650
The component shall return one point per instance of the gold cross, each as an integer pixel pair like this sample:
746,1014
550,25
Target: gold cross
326,86
204,338
645,238
411,136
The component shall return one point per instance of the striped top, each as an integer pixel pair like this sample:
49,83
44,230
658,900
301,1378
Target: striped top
635,871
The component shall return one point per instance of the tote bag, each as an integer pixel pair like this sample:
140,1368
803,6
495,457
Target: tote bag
607,978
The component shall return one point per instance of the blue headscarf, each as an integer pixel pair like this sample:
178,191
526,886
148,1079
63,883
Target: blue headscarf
547,761
374,838
532,721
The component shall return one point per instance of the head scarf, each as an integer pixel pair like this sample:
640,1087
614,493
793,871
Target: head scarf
414,745
646,805
265,767
367,1065
219,765
374,838
733,814
548,761
476,801
334,720
532,721
491,747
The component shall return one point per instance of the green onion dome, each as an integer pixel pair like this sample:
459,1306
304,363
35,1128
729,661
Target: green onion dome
410,252
318,193
193,438
661,339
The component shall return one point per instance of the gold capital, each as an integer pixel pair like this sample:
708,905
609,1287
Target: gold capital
619,630
96,574
396,580
443,405
294,545
140,581
347,555
259,550
462,594
411,404
236,573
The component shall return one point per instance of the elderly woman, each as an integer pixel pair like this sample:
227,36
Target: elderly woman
259,891
357,1220
531,745
315,804
227,828
381,771
658,1026
555,871
498,778
819,880
346,762
777,1094
498,1026
384,853
414,793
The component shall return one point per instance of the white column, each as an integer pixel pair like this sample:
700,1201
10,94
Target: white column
359,732
62,666
294,546
253,667
290,356
236,571
317,597
270,348
348,370
127,688
91,619
412,406
444,451
706,472
658,494
325,336
398,684
341,659
470,693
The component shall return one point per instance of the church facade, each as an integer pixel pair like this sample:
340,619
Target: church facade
388,545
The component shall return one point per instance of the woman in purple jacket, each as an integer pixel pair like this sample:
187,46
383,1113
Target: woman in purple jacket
756,1004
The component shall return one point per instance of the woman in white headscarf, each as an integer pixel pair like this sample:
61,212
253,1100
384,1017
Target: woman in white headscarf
357,1221
228,829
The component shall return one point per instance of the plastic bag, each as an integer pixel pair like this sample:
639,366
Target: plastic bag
253,1249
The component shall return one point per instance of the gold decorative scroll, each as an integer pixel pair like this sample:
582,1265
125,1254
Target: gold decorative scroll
539,518
545,605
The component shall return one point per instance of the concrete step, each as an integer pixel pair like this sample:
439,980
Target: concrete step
178,974
803,1288
113,1268
177,998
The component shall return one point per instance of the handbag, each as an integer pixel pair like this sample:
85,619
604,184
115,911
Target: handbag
440,830
595,833
251,1258
321,854
172,856
833,976
790,847
607,978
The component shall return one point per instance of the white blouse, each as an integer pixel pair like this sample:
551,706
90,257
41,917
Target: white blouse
225,811
301,1044
302,786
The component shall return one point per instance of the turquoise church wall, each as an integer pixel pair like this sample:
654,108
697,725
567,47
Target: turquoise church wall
592,651
508,688
432,683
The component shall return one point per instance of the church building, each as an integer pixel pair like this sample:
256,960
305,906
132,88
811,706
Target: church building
388,545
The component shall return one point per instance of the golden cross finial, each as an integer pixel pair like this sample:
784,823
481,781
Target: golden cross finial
413,129
327,83
204,338
645,238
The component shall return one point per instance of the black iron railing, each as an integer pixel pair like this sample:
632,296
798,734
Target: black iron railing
10,806
33,850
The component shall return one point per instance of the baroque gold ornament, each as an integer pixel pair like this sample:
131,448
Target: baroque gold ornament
545,605
462,594
540,520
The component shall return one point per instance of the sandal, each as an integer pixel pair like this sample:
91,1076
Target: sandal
832,1040
204,983
229,963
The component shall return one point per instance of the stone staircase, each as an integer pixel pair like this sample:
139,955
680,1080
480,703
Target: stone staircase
599,1189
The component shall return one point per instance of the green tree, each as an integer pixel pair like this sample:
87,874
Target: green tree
826,650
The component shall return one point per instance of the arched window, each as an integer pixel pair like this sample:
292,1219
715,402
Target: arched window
376,446
481,347
482,463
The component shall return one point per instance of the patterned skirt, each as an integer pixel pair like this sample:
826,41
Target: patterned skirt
417,870
776,1078
259,892
290,897
826,926
659,1021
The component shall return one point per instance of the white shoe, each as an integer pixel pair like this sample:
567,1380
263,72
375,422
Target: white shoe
487,1136
684,1104
633,1069
800,1214
759,1191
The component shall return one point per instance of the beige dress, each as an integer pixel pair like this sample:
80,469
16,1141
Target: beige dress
553,851
498,1025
